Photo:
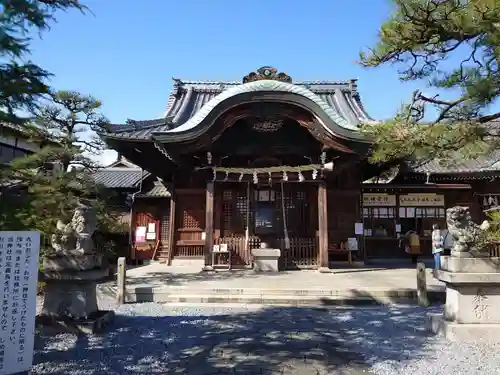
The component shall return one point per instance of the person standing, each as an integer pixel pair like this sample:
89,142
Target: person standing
447,242
414,242
437,245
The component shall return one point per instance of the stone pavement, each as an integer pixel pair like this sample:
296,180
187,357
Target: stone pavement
161,283
361,278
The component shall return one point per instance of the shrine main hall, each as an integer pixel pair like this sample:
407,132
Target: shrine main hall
268,160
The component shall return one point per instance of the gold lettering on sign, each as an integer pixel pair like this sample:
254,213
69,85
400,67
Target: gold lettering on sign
480,306
433,200
372,200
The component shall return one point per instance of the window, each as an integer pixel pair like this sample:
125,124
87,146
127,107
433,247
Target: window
379,221
422,212
8,153
421,219
19,153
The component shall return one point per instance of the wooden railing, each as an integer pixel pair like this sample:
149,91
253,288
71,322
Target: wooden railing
188,251
241,256
494,250
303,253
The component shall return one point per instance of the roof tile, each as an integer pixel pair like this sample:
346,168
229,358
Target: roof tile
159,190
488,163
120,177
188,97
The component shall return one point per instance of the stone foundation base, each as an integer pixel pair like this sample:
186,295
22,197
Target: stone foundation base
73,299
97,322
266,260
325,270
463,332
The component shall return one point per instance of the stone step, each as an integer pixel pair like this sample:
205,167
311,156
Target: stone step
276,296
172,290
195,261
273,300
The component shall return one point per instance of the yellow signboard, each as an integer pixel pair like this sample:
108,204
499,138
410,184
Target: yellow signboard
419,200
382,200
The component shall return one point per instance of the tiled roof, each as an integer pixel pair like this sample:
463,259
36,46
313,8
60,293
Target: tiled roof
14,127
120,177
188,97
490,163
159,190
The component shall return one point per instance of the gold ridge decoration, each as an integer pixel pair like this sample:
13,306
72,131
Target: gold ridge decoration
267,73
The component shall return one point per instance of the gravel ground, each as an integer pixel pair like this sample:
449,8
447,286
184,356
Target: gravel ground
153,338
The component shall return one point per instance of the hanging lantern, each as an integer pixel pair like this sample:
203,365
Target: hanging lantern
314,174
285,176
329,166
255,179
301,178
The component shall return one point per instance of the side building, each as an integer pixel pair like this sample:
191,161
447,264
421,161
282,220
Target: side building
270,160
14,143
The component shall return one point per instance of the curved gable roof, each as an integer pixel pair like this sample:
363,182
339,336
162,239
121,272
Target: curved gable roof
340,100
263,86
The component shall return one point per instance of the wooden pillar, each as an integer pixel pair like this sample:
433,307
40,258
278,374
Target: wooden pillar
217,213
171,228
322,227
209,226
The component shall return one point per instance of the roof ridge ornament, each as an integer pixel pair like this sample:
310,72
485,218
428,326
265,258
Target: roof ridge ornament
267,73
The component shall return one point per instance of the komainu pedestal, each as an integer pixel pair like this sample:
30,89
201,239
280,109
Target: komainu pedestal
71,273
472,278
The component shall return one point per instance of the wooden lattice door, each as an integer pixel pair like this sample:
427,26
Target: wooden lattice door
235,216
189,223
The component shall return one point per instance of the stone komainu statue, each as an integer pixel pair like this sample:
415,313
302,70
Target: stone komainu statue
467,235
77,234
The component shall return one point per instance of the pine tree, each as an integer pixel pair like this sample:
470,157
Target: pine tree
23,82
454,45
58,176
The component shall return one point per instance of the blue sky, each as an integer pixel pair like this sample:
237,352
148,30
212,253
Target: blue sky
126,54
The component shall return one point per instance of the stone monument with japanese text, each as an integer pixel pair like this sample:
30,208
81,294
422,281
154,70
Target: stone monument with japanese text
19,254
472,278
71,272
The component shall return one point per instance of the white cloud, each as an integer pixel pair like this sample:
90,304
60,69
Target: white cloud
105,158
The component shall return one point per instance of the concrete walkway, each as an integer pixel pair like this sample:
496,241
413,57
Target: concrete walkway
161,283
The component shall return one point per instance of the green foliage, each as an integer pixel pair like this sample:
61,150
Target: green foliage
23,82
64,127
453,45
493,232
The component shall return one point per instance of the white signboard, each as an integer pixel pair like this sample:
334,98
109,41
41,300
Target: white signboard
352,244
19,252
358,229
